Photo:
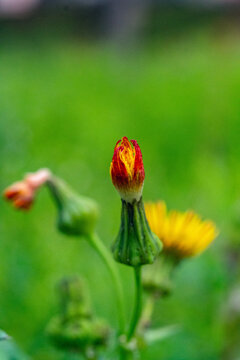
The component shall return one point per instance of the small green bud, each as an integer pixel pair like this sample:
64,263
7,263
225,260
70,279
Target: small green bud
77,215
135,244
77,334
74,300
75,328
157,278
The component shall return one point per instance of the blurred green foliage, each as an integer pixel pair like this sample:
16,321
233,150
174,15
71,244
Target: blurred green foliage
63,105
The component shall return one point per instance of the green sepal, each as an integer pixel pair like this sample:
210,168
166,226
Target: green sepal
135,244
77,215
157,279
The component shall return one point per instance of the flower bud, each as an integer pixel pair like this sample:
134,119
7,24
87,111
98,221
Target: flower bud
77,215
135,244
75,328
77,334
127,170
22,193
73,297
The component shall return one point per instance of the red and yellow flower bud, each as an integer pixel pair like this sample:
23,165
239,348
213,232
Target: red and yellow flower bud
135,244
127,170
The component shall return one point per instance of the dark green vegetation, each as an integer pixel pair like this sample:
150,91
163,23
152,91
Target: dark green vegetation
63,105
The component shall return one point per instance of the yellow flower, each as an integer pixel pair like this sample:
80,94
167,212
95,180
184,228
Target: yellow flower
183,234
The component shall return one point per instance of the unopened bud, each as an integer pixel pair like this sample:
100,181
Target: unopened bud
77,215
22,193
75,328
73,297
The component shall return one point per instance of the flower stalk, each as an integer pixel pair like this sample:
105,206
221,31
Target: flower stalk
138,303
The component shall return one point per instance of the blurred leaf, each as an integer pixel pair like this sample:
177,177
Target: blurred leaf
3,335
9,350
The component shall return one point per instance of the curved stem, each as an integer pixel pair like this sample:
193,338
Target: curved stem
108,260
138,303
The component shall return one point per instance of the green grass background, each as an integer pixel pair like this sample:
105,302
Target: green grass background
63,105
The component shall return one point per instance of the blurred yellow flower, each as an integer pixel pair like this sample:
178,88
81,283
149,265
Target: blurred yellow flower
183,234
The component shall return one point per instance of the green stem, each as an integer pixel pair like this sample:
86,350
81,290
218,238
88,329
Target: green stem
138,303
108,260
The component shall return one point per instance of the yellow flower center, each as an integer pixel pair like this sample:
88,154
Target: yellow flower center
127,156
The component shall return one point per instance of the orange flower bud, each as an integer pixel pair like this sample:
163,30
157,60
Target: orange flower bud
127,170
21,194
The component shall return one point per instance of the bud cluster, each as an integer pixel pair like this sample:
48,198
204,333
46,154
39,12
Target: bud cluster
75,327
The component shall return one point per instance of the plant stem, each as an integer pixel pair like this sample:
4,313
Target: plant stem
108,260
138,303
